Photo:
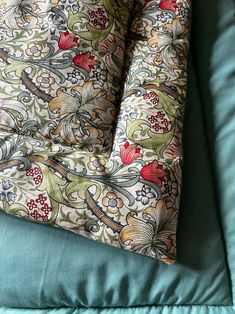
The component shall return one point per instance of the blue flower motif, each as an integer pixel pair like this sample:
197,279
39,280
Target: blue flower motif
7,196
75,77
11,196
127,114
3,196
144,195
6,185
69,6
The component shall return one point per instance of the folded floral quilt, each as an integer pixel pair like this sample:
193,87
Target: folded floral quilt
91,112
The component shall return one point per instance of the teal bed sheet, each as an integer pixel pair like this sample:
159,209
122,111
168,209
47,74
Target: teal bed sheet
194,309
53,268
45,270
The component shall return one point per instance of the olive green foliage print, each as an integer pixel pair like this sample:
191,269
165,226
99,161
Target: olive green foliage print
91,106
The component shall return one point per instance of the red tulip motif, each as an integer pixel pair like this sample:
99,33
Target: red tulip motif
129,153
154,172
85,61
67,40
168,5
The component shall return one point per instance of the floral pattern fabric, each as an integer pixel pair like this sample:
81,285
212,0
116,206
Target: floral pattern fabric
91,113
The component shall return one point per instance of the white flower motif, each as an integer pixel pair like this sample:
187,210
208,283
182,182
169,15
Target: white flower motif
144,195
34,50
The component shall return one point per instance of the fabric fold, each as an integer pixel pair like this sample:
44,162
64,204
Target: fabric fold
77,154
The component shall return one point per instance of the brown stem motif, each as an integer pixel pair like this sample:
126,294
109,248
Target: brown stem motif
34,159
99,213
162,88
28,82
91,203
3,56
34,89
168,90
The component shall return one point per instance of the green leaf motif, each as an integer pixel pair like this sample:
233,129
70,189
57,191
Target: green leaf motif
80,185
109,7
155,141
94,35
52,184
167,104
74,19
15,66
13,209
55,211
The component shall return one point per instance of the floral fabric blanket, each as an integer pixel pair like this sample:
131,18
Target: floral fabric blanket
91,112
